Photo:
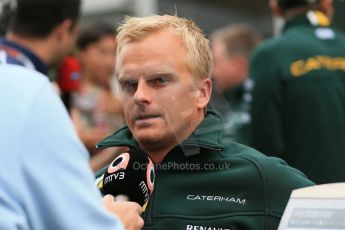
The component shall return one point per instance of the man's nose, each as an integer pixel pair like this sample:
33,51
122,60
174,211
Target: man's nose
143,94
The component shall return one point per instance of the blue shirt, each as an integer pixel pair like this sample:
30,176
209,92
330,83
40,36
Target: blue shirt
45,181
20,55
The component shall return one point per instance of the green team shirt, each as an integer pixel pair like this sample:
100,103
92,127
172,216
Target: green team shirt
208,183
298,110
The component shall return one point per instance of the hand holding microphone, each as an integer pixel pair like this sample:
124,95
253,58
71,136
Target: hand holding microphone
128,212
130,177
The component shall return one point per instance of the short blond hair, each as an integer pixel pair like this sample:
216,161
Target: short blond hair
199,56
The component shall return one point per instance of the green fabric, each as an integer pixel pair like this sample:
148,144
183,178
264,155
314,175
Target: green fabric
298,110
233,105
245,189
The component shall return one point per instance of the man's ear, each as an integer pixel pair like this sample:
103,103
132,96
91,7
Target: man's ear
63,29
204,93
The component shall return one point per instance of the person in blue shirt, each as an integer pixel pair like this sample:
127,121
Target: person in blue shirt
45,181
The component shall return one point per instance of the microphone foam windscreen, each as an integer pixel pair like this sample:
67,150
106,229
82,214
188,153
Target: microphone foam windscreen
130,174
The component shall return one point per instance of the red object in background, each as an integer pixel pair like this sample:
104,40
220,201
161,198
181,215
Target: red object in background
68,78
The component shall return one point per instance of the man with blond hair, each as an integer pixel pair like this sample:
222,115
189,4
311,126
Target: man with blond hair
164,64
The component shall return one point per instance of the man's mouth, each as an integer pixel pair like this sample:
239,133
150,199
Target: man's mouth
146,117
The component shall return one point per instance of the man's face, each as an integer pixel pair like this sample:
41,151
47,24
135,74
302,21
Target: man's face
228,71
157,93
71,37
65,41
223,70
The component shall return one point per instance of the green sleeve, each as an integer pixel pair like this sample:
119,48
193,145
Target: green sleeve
266,110
280,180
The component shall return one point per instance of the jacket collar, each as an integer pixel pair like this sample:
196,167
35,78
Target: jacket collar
207,135
311,18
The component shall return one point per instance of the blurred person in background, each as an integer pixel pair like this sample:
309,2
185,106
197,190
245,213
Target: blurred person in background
95,110
231,94
298,110
45,181
5,15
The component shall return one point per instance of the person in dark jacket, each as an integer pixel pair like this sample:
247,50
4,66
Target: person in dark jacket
231,92
163,67
298,110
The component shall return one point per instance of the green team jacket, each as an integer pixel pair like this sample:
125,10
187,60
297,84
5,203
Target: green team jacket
298,110
208,184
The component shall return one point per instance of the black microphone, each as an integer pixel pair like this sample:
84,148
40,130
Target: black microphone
130,175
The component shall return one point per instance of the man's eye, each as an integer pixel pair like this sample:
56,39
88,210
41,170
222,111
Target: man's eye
161,81
129,86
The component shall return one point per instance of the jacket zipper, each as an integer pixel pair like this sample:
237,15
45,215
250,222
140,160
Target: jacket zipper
149,207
